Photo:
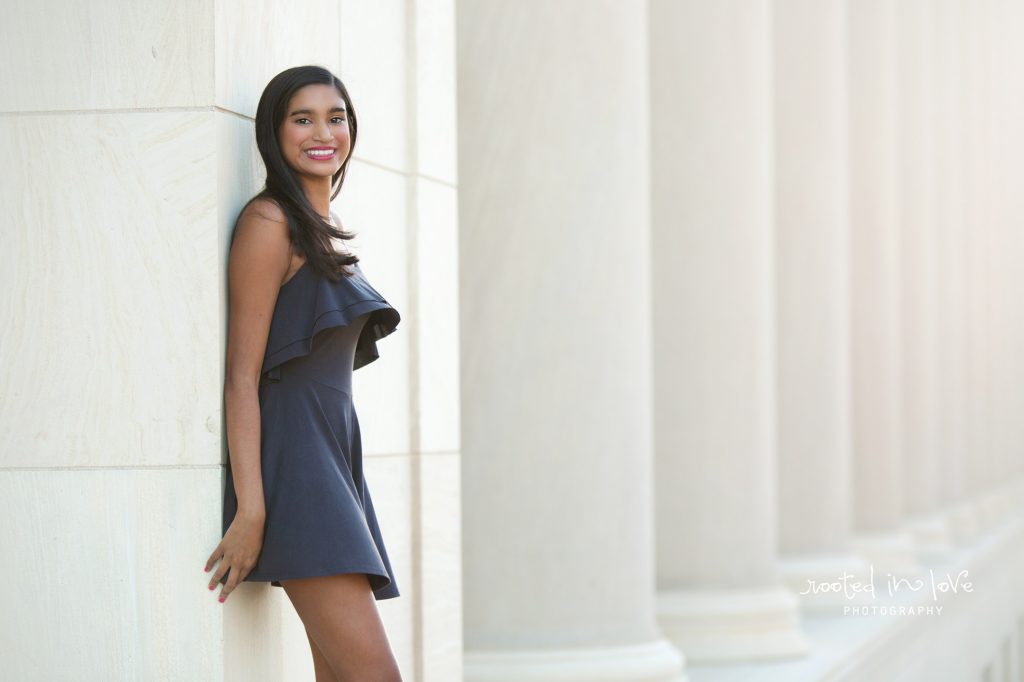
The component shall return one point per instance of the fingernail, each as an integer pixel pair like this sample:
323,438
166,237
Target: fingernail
221,599
206,569
212,586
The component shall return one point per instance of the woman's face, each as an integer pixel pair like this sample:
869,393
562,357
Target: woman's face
316,120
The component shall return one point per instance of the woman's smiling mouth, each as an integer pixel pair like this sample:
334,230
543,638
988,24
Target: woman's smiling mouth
321,153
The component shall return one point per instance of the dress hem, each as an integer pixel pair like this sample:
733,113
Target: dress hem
392,590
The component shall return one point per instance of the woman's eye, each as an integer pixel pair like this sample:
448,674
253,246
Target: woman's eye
336,118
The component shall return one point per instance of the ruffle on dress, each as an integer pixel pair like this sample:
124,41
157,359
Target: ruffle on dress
308,304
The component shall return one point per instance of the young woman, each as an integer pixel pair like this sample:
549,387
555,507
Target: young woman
297,508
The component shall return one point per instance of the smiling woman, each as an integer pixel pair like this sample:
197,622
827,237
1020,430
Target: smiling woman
306,129
297,509
316,129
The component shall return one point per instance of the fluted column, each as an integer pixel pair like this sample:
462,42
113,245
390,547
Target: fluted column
720,595
979,474
917,181
879,472
950,285
556,362
1004,153
812,299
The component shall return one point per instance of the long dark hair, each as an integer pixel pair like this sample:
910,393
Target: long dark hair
309,233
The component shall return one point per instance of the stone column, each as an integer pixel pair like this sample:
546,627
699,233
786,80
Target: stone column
879,474
950,286
720,594
1004,152
994,139
812,299
979,474
917,182
556,337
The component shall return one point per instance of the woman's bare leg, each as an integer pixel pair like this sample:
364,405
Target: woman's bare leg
341,618
321,667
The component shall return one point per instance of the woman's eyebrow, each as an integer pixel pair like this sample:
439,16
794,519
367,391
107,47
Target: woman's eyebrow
310,111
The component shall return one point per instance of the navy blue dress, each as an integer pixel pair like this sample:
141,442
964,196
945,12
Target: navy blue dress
319,514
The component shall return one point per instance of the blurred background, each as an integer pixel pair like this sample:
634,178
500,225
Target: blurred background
709,365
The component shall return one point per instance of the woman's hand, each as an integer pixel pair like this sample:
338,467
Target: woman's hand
238,551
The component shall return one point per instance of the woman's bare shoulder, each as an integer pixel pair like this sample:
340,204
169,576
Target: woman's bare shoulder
264,209
263,220
261,243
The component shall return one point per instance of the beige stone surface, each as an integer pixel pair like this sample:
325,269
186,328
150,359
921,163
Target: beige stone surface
435,121
112,344
437,282
253,41
374,204
105,570
440,544
375,66
112,55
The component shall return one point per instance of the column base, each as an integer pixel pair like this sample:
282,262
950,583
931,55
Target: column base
892,551
999,505
968,520
656,661
733,625
826,583
1014,497
932,537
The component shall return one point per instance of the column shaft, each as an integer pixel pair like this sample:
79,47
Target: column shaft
712,189
554,208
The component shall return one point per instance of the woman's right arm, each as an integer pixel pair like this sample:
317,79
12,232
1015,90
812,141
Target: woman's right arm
259,259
